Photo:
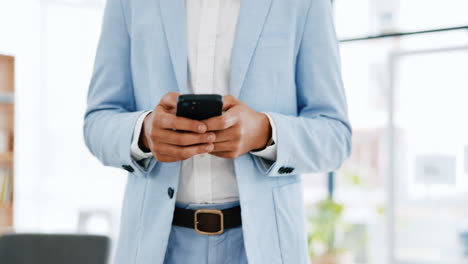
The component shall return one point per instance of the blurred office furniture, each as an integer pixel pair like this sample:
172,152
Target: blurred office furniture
6,140
428,186
407,94
53,249
464,241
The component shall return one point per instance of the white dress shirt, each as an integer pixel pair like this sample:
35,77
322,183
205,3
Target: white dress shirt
211,27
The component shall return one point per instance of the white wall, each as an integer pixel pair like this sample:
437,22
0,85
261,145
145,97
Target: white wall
71,179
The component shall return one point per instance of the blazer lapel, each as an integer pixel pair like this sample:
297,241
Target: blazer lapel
252,16
174,21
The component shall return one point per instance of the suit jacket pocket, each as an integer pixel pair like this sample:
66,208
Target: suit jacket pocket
291,222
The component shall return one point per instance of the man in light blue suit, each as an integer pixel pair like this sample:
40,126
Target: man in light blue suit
226,189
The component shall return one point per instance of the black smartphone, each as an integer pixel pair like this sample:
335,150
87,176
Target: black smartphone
199,106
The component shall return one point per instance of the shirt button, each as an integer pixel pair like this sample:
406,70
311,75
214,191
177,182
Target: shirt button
170,192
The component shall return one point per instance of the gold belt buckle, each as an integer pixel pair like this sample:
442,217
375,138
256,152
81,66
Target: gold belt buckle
209,211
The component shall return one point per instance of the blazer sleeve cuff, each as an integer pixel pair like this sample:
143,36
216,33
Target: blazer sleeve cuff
128,162
281,166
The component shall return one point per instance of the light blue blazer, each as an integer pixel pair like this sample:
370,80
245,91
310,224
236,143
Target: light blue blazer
285,62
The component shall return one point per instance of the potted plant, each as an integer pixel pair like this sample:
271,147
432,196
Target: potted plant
324,221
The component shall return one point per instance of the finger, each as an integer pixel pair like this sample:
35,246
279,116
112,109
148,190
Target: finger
224,121
169,101
170,121
230,134
184,138
225,154
161,109
229,101
165,158
183,153
225,146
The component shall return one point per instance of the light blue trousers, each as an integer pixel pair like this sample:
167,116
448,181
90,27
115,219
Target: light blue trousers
186,246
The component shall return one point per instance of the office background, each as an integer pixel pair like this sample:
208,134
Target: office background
403,193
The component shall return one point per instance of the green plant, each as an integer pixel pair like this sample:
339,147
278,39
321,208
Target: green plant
323,222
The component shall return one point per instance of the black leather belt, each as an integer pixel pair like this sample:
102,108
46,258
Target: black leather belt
208,221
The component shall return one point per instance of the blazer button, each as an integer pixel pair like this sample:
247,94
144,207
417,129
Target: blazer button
285,170
170,192
128,168
282,170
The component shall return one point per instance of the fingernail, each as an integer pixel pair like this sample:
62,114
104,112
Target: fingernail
201,128
209,148
210,137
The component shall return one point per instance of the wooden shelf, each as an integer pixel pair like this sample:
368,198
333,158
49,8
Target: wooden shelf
6,98
6,158
6,116
7,91
7,74
6,218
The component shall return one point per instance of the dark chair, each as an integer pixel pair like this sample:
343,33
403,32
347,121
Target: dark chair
53,249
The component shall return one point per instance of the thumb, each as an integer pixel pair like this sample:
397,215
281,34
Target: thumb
169,101
229,101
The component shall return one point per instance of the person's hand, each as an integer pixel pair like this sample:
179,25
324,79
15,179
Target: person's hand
171,138
238,130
